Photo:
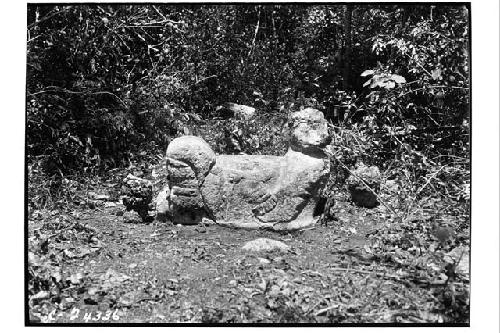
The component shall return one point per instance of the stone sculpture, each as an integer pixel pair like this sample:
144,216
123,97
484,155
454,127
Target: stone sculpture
249,191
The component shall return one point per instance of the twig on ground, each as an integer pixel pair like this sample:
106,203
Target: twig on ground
310,272
380,274
320,312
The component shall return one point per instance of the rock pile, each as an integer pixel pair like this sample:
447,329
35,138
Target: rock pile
138,196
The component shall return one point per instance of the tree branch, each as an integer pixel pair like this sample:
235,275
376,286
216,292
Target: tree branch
49,16
52,89
431,87
255,35
204,79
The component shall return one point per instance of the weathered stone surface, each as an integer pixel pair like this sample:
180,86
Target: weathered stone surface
189,153
265,191
189,159
265,244
249,191
162,204
309,130
360,191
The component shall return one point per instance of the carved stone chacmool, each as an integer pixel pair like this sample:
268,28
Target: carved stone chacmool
249,191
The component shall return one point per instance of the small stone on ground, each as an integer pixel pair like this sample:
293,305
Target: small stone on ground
265,244
131,217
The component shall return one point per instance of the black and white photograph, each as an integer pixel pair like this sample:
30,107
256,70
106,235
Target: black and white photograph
248,164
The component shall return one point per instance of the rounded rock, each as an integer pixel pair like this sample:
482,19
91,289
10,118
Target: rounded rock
193,151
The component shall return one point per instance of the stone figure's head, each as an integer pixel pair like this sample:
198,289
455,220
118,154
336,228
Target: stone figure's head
309,131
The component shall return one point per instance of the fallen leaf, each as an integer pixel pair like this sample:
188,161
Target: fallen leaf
75,278
42,294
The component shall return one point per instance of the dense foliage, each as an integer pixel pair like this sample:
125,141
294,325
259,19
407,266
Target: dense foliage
105,80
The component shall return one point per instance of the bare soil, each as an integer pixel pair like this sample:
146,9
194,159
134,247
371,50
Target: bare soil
360,268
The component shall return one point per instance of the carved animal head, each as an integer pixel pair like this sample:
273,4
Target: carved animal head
309,131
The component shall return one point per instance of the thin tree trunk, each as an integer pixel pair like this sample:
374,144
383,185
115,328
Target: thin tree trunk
347,46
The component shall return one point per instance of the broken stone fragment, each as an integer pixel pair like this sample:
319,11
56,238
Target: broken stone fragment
363,184
238,111
132,217
162,204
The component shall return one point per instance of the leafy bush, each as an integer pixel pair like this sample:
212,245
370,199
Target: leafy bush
106,82
264,134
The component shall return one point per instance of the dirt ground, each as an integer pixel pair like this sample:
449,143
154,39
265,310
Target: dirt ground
360,268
